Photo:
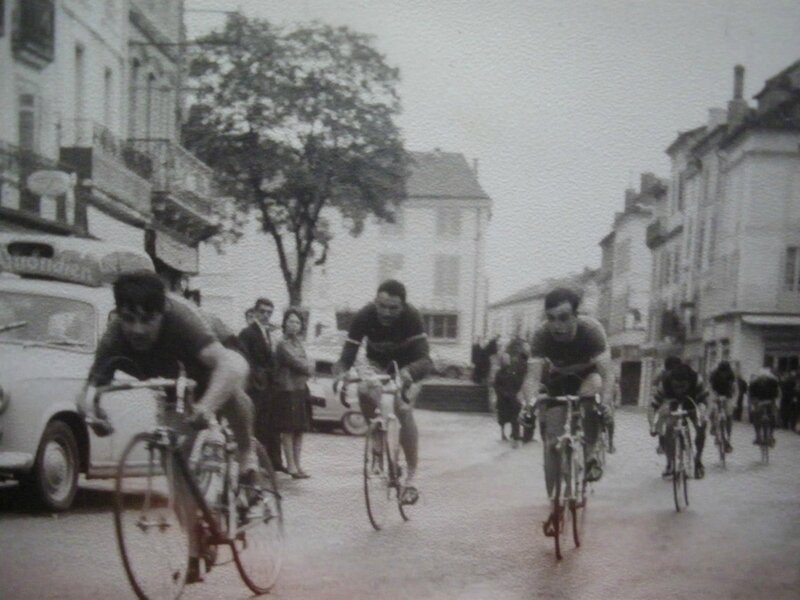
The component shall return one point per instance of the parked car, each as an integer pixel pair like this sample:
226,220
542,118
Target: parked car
55,302
328,412
452,369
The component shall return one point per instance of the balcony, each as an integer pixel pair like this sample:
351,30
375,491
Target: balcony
115,167
183,189
33,33
55,214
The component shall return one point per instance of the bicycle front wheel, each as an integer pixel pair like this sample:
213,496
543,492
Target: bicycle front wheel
377,492
559,510
150,519
577,504
679,474
721,440
259,542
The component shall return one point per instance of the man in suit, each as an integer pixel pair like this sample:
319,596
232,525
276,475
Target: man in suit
256,340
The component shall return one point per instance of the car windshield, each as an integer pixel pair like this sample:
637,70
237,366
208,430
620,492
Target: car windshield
31,318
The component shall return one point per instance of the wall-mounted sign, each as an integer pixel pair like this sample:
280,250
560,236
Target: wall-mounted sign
49,183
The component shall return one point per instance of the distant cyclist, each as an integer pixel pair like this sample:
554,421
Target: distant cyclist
681,387
723,384
154,331
765,393
579,363
394,331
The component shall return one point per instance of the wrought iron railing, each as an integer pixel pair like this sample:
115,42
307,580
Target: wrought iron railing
86,133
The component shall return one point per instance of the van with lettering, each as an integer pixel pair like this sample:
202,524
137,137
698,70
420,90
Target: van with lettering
55,301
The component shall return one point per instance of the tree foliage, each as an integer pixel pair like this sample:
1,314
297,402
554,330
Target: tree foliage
298,120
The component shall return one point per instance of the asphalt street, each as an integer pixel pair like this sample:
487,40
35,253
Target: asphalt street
476,532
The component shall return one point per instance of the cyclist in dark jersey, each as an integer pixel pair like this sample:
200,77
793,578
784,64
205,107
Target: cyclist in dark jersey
394,332
151,334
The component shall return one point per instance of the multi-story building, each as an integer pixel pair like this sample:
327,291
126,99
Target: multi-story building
725,244
436,246
624,283
91,99
519,314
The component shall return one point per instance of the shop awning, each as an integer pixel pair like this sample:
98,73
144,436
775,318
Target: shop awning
772,320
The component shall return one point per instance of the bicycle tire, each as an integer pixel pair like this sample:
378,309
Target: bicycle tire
559,507
151,527
260,542
679,468
376,475
577,504
765,437
396,470
721,438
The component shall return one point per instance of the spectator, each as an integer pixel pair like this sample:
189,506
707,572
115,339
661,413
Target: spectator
249,316
292,408
787,381
741,387
256,340
507,383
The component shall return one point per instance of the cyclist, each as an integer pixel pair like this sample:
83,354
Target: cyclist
681,386
723,384
579,363
154,332
765,393
394,332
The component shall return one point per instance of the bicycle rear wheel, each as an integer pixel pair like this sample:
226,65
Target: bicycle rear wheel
377,492
259,542
721,439
150,519
679,474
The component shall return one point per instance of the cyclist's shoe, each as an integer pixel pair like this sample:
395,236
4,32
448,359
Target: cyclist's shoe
659,450
757,441
699,470
728,448
409,495
771,441
653,432
668,472
193,574
593,470
612,448
549,526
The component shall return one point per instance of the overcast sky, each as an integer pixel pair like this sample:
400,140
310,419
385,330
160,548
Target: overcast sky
563,102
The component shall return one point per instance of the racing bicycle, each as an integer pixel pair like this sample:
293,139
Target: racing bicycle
570,490
682,456
177,490
383,466
719,423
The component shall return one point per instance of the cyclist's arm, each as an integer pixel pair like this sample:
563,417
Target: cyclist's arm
228,370
604,367
421,363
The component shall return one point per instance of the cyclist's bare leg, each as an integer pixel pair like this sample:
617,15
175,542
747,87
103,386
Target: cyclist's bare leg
238,410
409,438
591,385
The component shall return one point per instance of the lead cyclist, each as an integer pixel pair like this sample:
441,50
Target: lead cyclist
394,332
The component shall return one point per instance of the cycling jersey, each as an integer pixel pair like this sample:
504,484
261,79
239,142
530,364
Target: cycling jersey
403,340
184,333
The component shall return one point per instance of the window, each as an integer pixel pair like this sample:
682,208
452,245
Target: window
28,138
80,83
676,266
389,266
681,191
791,275
445,275
622,260
441,326
448,222
698,256
108,96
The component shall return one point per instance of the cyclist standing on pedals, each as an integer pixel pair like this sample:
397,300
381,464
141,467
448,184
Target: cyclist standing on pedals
723,384
579,362
765,393
152,333
394,331
681,385
657,396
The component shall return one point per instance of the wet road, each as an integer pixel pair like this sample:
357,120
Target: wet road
476,531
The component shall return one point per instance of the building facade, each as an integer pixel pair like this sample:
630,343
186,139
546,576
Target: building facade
92,103
624,284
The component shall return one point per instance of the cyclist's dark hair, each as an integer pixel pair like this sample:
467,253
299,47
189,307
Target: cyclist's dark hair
393,288
264,301
559,296
296,312
671,362
724,367
140,290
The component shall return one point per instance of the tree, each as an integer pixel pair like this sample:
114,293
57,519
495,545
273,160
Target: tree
297,121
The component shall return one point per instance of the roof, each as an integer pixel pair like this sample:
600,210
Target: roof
442,175
575,280
772,320
684,136
795,66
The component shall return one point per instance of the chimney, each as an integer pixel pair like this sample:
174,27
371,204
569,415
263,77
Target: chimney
646,182
475,166
737,107
631,197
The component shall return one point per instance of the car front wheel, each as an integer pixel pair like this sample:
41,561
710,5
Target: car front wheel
354,423
54,480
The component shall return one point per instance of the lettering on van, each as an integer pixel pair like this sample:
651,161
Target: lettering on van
67,266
